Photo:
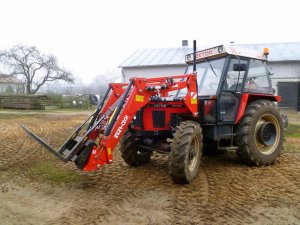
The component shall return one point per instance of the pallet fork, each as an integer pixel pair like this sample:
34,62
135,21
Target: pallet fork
81,141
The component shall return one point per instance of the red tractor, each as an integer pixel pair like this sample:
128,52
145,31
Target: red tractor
224,102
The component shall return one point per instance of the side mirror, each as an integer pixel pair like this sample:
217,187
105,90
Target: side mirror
240,67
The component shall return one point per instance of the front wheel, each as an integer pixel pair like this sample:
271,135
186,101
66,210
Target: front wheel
186,152
260,134
130,152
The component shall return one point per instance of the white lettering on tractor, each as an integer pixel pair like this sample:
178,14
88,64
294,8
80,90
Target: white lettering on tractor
120,128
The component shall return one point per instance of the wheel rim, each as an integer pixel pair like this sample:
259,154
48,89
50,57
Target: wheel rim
194,154
267,134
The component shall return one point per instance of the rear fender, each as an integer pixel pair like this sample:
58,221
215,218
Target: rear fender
248,98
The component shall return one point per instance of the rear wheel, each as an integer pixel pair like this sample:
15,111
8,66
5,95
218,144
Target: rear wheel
130,153
186,152
260,134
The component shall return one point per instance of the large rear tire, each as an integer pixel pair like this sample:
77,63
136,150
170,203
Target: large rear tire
260,134
130,153
186,152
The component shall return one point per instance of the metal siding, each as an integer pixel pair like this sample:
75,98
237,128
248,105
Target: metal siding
284,71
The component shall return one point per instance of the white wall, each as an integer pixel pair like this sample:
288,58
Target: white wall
14,88
285,69
284,72
157,71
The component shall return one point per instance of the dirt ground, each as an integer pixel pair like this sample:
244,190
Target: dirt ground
224,192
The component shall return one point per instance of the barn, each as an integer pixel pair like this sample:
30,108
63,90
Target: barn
284,64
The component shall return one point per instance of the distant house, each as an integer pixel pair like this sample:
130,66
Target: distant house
284,63
10,85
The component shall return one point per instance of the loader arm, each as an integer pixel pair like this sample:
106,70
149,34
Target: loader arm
113,116
139,92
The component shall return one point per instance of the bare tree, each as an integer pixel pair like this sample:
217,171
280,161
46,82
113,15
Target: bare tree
101,81
33,67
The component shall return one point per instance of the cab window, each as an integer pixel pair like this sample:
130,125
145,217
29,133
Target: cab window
208,76
257,80
235,75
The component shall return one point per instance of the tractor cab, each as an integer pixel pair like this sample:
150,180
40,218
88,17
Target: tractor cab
225,73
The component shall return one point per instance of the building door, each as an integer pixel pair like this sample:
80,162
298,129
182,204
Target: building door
290,93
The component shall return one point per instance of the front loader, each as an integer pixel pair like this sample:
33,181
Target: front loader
214,107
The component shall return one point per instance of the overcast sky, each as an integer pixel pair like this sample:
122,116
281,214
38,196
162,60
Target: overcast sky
91,36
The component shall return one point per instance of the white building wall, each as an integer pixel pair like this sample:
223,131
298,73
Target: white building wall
12,88
157,71
284,72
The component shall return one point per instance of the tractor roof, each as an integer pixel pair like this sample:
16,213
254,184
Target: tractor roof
222,50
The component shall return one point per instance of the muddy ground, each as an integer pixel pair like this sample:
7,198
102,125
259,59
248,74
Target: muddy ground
36,188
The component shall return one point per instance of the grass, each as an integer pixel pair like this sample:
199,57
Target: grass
293,131
47,110
92,108
291,147
11,114
6,116
292,136
48,172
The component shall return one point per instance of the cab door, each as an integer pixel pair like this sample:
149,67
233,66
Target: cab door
231,89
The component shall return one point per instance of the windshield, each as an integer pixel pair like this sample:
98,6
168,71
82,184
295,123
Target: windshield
209,74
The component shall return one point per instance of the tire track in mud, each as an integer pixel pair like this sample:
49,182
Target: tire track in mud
19,151
225,192
121,190
279,192
149,183
12,145
233,192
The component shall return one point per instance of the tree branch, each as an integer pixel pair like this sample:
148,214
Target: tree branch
37,69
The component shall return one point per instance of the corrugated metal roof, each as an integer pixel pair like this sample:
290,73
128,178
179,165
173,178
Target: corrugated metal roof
176,56
157,56
278,51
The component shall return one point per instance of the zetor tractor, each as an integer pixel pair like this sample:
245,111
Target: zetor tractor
224,102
